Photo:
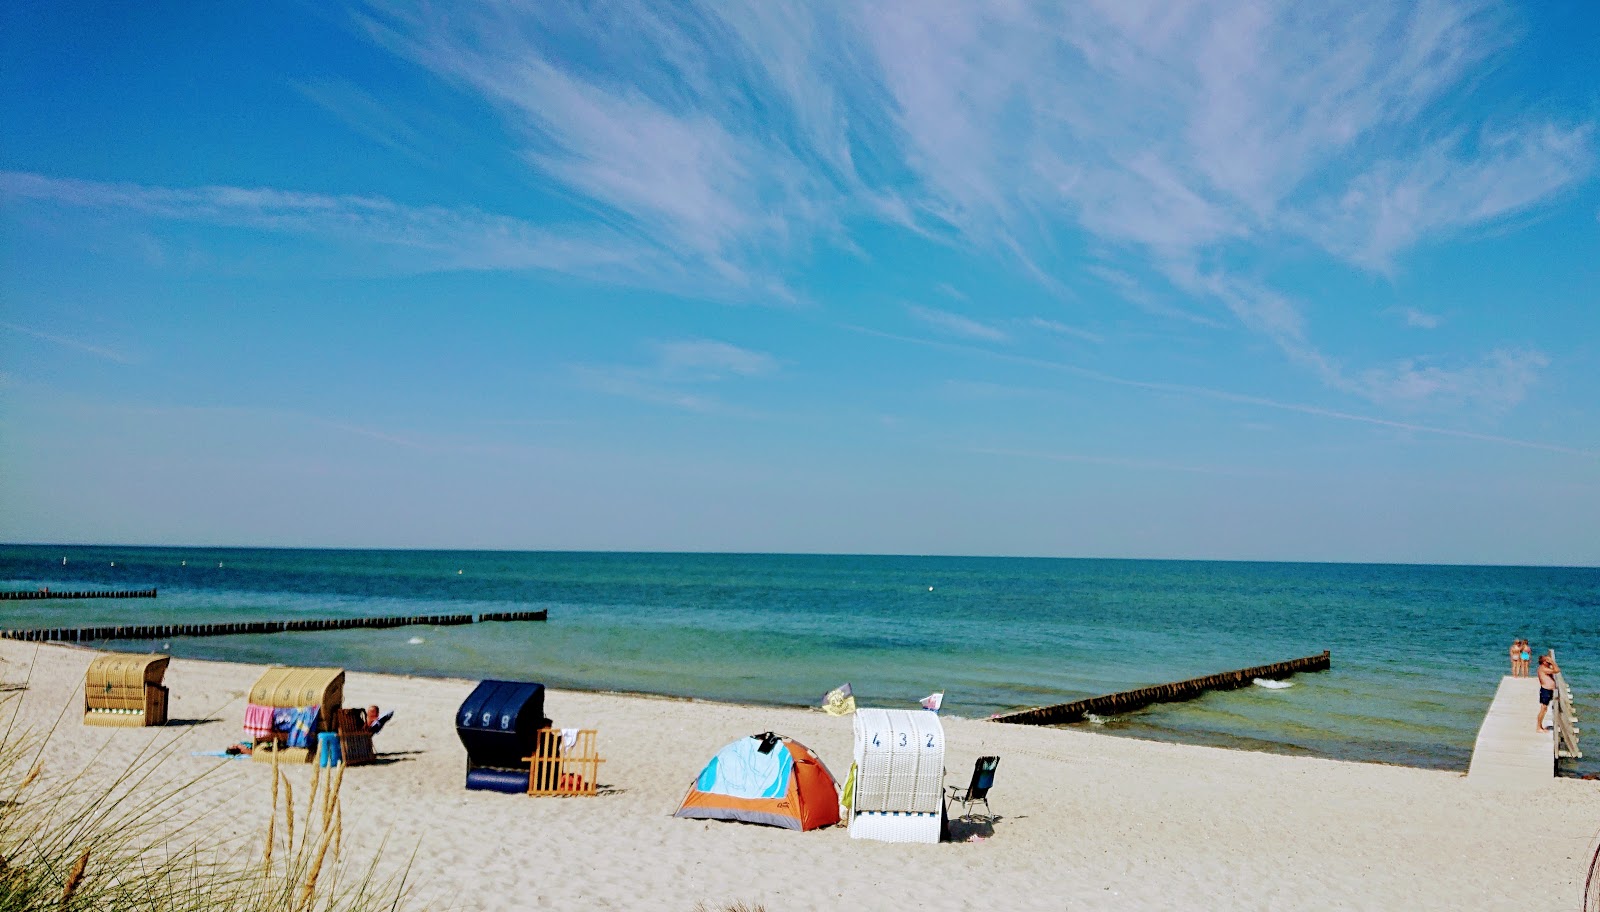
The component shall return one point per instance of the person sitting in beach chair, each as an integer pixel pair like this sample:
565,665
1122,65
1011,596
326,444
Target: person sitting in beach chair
376,721
978,789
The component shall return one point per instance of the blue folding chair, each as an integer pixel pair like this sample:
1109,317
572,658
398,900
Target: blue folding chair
978,789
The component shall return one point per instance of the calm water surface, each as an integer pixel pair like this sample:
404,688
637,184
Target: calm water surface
1417,650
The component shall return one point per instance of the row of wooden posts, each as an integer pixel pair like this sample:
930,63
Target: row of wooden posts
82,594
1128,700
165,631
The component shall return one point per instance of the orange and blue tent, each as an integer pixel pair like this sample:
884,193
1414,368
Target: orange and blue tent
766,779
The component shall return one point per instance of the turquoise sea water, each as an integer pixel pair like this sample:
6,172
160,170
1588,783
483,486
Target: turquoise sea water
1417,650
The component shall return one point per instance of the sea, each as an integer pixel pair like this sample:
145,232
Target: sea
1417,651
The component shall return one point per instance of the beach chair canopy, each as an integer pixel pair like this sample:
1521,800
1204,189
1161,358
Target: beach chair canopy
767,779
898,793
899,757
283,687
124,689
498,724
118,669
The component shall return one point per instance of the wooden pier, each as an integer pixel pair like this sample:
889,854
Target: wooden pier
168,631
78,594
1509,750
1127,700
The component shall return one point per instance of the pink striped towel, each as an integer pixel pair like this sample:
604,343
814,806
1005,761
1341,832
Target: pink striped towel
257,721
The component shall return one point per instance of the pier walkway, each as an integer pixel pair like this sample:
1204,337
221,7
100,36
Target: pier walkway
1509,751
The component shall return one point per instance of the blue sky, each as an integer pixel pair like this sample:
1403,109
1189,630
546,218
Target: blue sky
1197,280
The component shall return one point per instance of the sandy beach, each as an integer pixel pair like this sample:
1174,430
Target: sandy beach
1084,821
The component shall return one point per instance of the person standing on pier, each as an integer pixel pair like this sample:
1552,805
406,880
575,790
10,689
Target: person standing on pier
1516,658
1548,669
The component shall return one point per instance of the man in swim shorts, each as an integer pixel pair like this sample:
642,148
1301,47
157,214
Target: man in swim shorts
1548,669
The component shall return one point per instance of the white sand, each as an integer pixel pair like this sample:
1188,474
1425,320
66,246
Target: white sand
1085,821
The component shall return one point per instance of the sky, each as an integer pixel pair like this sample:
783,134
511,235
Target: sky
1232,280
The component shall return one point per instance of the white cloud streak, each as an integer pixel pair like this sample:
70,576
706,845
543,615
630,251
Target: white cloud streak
956,324
432,238
679,374
98,351
1448,188
1421,319
1062,329
1114,461
706,359
1228,396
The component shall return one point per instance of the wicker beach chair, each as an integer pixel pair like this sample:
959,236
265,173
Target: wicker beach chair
125,690
978,789
281,687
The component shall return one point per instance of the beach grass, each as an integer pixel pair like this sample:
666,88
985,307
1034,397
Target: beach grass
125,841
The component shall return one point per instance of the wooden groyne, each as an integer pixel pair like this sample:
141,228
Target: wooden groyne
1127,700
81,594
167,631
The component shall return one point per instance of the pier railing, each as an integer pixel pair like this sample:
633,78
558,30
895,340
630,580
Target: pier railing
1564,720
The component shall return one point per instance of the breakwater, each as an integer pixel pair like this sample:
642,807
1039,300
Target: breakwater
166,631
81,594
1124,701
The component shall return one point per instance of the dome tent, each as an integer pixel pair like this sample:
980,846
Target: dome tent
766,779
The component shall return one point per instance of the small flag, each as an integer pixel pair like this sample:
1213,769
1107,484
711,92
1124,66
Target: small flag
840,701
933,701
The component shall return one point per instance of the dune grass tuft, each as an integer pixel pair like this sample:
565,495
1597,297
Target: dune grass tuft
84,841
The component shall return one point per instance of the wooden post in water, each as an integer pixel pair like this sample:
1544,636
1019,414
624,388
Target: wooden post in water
148,632
1062,713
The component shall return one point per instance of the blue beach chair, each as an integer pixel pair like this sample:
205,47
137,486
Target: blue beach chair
978,789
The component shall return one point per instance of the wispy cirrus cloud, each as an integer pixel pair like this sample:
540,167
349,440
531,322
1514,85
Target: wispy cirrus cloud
1223,395
433,238
701,130
680,374
1062,329
99,351
364,113
1450,187
1496,381
1207,132
1114,461
1189,145
956,324
1421,319
707,359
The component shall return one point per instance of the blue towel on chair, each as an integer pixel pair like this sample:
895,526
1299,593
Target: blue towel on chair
303,726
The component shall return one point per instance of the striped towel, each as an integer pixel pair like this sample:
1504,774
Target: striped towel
257,721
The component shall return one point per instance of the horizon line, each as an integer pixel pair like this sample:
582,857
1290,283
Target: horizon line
883,554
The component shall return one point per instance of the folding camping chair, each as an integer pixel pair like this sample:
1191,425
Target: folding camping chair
978,789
